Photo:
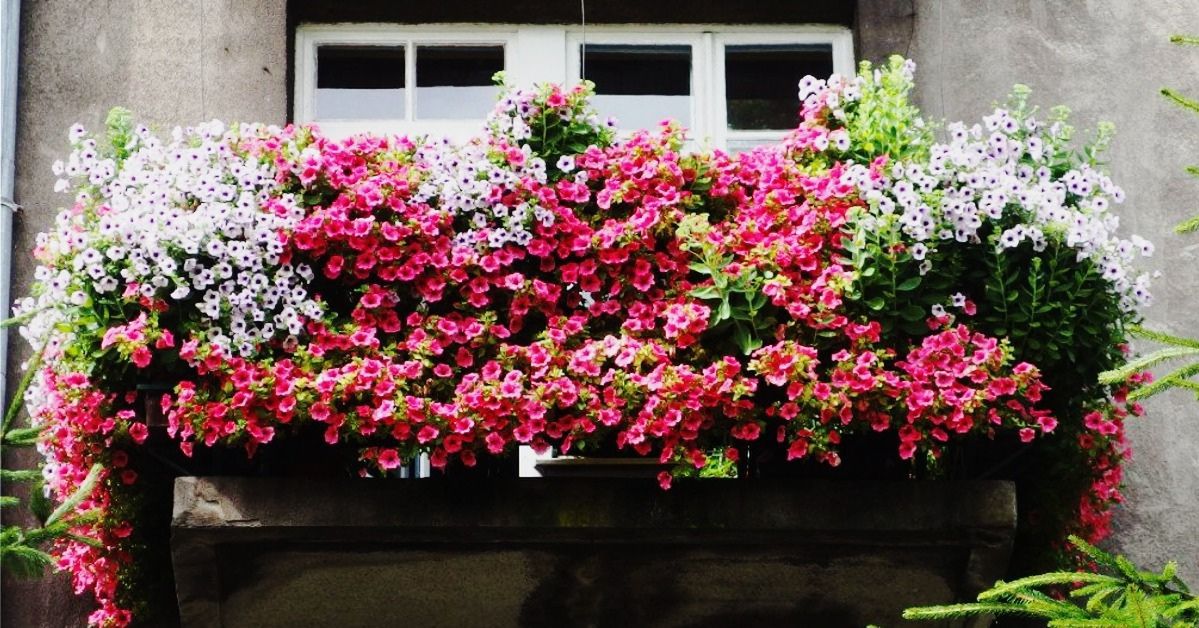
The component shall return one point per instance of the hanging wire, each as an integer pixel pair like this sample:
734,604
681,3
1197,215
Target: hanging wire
583,47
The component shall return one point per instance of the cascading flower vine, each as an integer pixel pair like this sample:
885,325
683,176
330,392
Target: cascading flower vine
548,284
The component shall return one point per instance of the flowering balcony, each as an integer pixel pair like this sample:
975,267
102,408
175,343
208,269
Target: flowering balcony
551,284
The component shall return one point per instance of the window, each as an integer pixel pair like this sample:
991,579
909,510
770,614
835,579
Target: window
637,98
360,82
757,80
732,86
455,82
375,78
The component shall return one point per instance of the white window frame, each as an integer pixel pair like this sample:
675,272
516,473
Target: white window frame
644,36
841,41
536,53
709,112
309,39
550,53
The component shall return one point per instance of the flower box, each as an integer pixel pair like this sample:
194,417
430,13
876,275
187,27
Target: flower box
587,467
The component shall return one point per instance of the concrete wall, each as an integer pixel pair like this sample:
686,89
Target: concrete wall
171,62
1106,59
180,61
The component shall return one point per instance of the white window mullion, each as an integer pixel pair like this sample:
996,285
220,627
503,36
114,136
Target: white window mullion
539,55
704,85
719,116
305,93
410,81
843,61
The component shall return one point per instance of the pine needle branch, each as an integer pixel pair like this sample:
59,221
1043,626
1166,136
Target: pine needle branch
1145,362
1181,100
18,397
80,494
965,610
1187,226
1175,378
1162,337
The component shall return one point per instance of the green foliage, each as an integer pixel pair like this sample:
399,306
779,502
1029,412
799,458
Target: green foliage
892,287
1023,293
565,129
119,124
1179,99
1053,305
1056,310
738,302
14,408
1177,348
1191,224
1119,595
716,465
22,550
884,121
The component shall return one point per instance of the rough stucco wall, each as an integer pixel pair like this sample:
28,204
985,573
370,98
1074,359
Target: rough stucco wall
1106,59
171,62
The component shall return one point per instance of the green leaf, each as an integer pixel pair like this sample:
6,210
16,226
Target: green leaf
39,504
742,314
876,303
757,300
1178,609
912,312
746,341
909,285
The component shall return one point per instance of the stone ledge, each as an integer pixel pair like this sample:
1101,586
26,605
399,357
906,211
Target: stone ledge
598,552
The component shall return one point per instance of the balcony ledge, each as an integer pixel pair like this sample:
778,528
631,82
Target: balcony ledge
581,551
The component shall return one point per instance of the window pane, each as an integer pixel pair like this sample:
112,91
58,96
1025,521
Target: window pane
359,82
761,82
454,82
640,85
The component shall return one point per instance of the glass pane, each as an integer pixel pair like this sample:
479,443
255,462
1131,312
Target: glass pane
761,82
640,85
359,82
454,82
